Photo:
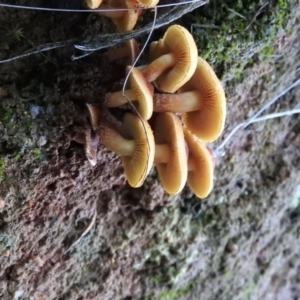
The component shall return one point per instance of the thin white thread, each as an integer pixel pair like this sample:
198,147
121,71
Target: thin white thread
254,117
267,105
93,10
263,118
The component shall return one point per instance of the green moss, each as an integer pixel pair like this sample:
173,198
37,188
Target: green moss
2,167
249,289
17,156
175,294
6,117
37,154
156,278
27,124
226,30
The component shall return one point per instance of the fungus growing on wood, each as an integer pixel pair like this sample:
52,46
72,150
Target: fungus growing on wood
134,142
200,166
140,93
203,101
170,152
173,69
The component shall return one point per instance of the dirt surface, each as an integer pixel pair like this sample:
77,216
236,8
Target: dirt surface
242,242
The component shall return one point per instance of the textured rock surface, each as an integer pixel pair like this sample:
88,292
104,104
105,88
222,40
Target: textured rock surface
241,243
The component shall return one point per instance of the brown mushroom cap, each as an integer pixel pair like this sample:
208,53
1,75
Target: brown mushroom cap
200,165
141,93
94,115
172,70
90,147
138,165
170,152
90,140
208,122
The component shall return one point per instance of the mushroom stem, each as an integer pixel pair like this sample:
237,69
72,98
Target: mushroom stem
158,66
181,103
162,153
117,99
112,139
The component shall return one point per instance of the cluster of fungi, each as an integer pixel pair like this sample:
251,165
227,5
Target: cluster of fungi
181,106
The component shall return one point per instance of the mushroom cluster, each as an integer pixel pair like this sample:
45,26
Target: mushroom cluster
179,94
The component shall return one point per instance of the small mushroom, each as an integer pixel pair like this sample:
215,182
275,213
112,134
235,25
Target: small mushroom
200,166
134,142
170,152
203,101
129,49
90,141
90,147
173,69
140,92
94,115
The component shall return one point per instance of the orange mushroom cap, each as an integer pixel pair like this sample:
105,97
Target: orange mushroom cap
201,99
139,164
200,165
156,49
170,152
209,121
140,92
134,142
173,69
